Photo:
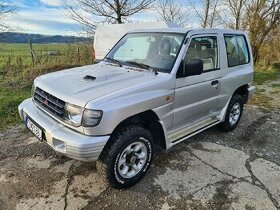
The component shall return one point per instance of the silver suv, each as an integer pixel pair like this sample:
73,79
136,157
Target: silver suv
154,88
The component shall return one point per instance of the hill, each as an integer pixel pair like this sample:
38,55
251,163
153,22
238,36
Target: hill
12,37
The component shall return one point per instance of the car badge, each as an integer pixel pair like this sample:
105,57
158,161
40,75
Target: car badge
46,102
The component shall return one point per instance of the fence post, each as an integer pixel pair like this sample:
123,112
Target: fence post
31,52
78,51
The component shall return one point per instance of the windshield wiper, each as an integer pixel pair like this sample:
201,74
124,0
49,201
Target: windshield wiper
114,61
142,65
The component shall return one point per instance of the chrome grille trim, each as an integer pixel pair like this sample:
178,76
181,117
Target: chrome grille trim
49,102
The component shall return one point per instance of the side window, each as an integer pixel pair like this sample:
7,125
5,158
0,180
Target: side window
243,50
204,48
232,51
237,50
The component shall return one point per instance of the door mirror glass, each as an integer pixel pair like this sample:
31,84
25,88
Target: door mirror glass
194,67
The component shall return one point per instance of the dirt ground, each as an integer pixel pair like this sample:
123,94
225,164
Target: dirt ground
213,170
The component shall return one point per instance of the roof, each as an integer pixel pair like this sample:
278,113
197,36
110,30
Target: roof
134,26
185,30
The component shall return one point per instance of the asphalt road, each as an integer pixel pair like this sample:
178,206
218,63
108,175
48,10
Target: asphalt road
213,170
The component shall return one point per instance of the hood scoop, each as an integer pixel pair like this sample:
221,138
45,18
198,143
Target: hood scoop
89,78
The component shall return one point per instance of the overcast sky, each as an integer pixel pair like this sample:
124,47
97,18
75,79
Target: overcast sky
48,17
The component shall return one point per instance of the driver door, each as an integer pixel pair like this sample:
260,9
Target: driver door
196,97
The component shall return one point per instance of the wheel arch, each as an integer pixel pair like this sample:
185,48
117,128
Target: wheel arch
149,120
243,92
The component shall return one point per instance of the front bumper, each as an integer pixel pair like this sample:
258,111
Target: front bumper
62,139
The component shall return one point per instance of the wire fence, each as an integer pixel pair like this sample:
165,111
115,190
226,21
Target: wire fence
32,55
36,59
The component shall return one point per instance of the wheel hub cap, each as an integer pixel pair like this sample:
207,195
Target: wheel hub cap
234,114
132,159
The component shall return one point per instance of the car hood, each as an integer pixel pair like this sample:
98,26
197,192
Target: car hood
83,84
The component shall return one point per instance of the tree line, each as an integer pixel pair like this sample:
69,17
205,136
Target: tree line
260,18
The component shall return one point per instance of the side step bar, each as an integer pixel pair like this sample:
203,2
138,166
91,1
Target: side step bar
184,133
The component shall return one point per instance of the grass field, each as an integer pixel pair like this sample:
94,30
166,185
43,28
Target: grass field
265,72
17,72
18,56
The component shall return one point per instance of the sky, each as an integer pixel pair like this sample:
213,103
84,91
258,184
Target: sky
41,16
49,17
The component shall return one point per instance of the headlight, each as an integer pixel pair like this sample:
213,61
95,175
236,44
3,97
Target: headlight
76,116
91,117
73,114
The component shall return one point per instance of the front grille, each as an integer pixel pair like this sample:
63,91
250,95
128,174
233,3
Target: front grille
49,102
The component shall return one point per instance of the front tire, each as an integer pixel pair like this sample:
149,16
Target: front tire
126,157
234,113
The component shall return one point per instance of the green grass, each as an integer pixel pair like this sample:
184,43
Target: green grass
13,90
275,85
262,76
8,49
17,72
265,73
18,55
9,101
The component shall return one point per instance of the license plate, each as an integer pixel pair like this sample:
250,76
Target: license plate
34,128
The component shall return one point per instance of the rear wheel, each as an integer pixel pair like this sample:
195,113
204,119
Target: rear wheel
127,157
234,113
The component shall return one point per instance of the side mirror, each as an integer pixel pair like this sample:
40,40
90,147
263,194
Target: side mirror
194,67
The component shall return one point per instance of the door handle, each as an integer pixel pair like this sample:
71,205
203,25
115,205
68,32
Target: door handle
215,83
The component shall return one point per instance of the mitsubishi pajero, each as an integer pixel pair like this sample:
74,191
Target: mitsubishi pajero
154,88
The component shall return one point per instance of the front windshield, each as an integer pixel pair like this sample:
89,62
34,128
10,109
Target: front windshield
157,51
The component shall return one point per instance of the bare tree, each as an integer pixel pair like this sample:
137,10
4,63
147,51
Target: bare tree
5,10
209,12
262,17
173,10
113,11
205,19
237,9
